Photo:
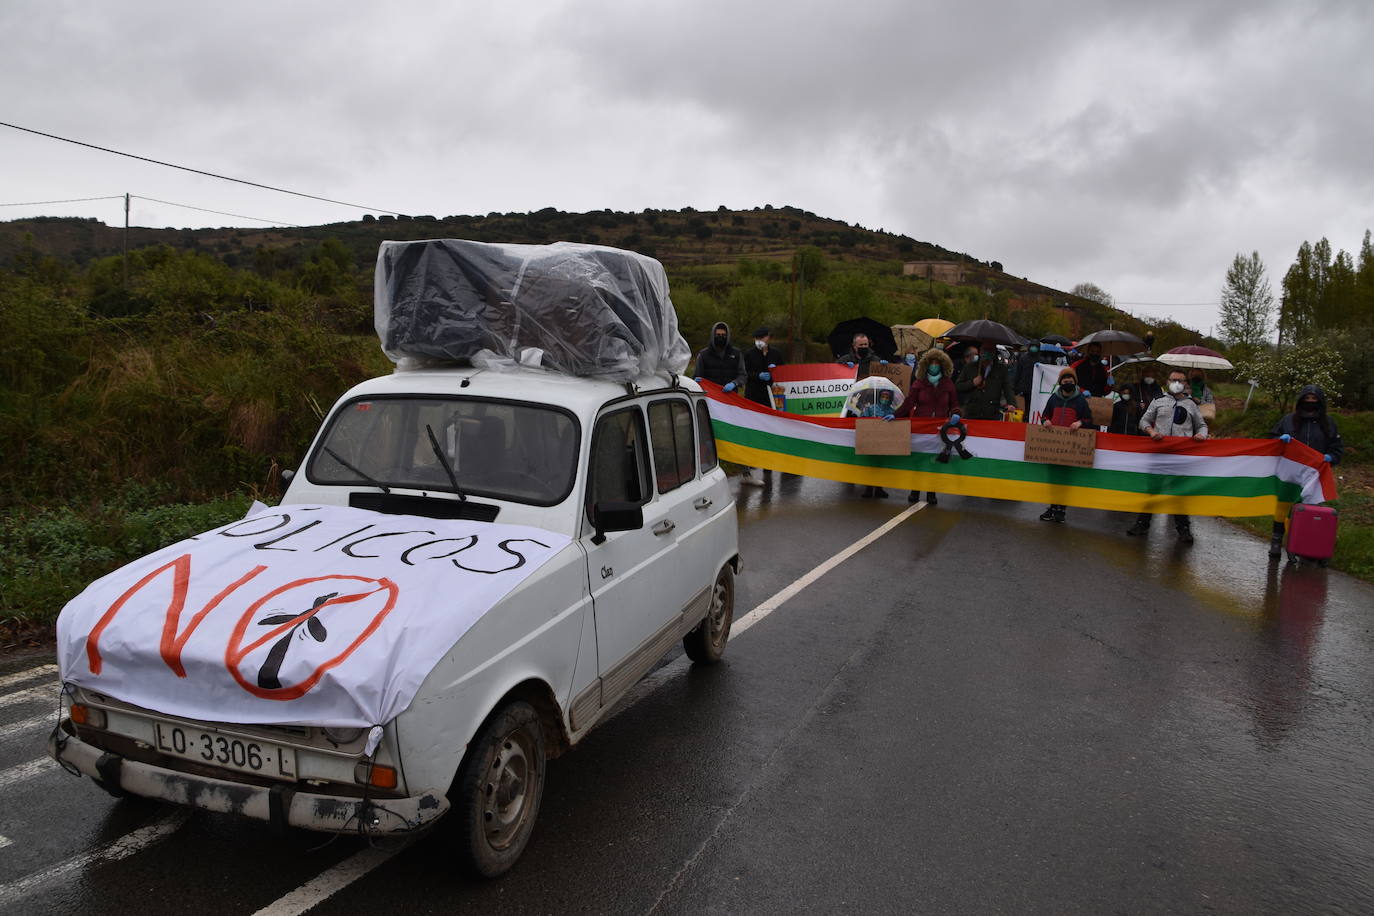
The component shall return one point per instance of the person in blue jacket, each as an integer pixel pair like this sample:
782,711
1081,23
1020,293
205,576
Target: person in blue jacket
1310,424
1067,406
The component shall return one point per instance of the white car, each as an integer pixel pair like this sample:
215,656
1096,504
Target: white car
626,472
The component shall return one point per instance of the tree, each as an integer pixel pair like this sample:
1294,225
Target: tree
1247,304
1092,291
1301,292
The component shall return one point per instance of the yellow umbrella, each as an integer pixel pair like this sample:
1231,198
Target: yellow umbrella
935,327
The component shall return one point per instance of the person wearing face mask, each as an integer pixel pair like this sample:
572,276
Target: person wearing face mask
1310,424
931,395
759,362
1174,414
1149,389
1025,372
1092,372
720,362
1126,412
1067,406
861,355
1197,387
984,385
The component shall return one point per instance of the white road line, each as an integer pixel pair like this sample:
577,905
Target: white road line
27,770
127,845
47,692
27,674
331,881
772,604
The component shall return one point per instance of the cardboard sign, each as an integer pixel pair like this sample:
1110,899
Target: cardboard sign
1060,445
873,436
1208,411
897,373
1102,411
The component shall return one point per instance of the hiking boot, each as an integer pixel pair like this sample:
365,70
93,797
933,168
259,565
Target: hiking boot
1185,535
914,496
932,499
750,480
1276,546
879,493
1052,514
866,493
1139,529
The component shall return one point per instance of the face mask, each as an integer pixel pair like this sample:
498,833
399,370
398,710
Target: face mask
1176,387
910,359
1067,388
1149,381
984,357
862,352
720,342
761,344
934,373
972,357
1034,348
1104,362
1308,409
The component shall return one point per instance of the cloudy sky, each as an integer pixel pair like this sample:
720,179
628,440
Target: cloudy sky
1138,146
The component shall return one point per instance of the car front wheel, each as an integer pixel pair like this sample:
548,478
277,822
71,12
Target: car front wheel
499,786
706,644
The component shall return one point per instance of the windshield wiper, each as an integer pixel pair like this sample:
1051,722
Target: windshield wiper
443,459
361,473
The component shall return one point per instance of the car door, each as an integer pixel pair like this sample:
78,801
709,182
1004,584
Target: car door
634,590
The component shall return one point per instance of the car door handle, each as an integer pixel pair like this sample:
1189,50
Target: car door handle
663,527
703,503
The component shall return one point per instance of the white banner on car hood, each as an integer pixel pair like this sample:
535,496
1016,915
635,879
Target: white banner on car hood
318,615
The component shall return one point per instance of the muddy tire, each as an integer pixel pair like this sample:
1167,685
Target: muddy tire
496,795
706,644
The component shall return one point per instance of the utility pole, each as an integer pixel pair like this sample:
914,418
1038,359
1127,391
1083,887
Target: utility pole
126,241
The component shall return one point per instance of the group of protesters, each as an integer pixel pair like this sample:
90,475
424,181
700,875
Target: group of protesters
984,385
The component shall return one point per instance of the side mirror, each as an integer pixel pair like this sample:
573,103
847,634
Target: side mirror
612,516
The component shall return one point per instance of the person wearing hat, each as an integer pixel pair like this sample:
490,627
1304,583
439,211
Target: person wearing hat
1067,406
759,362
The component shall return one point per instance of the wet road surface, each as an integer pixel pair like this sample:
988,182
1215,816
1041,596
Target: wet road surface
978,712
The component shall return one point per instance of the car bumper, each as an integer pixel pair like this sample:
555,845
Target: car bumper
279,805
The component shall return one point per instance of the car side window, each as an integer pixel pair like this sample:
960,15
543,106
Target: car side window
706,438
674,444
619,466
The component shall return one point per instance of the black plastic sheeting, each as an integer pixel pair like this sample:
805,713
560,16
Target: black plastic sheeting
584,310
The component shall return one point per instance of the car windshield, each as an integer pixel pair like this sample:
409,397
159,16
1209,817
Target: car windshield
525,453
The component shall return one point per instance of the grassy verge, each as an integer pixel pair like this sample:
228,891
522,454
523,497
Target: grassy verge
49,556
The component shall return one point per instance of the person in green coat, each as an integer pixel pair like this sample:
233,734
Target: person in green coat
984,385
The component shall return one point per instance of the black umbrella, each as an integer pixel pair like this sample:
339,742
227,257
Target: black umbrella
879,337
1114,343
1056,339
986,329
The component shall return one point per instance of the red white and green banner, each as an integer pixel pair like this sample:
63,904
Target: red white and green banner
1223,477
812,389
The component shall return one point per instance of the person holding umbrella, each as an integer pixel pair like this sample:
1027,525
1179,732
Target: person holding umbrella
984,384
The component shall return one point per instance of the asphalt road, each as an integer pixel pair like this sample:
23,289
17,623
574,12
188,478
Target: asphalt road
976,713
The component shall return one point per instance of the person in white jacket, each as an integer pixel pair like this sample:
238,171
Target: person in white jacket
1175,413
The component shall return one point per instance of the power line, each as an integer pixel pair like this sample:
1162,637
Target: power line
171,203
74,200
171,165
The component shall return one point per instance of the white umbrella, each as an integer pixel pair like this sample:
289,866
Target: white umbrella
865,391
1194,357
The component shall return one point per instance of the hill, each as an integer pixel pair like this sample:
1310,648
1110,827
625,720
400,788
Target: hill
712,253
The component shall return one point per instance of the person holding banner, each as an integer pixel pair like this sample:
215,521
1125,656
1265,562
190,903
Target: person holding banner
1174,414
1067,406
931,395
861,355
759,361
984,385
720,362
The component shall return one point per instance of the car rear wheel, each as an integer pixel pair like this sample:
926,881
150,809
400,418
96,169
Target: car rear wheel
706,644
499,786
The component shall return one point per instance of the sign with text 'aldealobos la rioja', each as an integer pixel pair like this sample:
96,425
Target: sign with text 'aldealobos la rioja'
814,389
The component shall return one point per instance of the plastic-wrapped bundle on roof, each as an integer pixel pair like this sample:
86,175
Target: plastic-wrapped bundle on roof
583,310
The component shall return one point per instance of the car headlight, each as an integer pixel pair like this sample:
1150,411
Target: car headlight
343,735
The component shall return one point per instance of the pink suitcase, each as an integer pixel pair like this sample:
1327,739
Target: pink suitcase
1311,533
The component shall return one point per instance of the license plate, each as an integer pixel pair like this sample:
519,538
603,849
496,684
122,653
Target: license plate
247,755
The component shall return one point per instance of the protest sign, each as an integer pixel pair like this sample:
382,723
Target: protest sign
897,373
1060,445
318,615
1043,383
1102,411
873,436
815,389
